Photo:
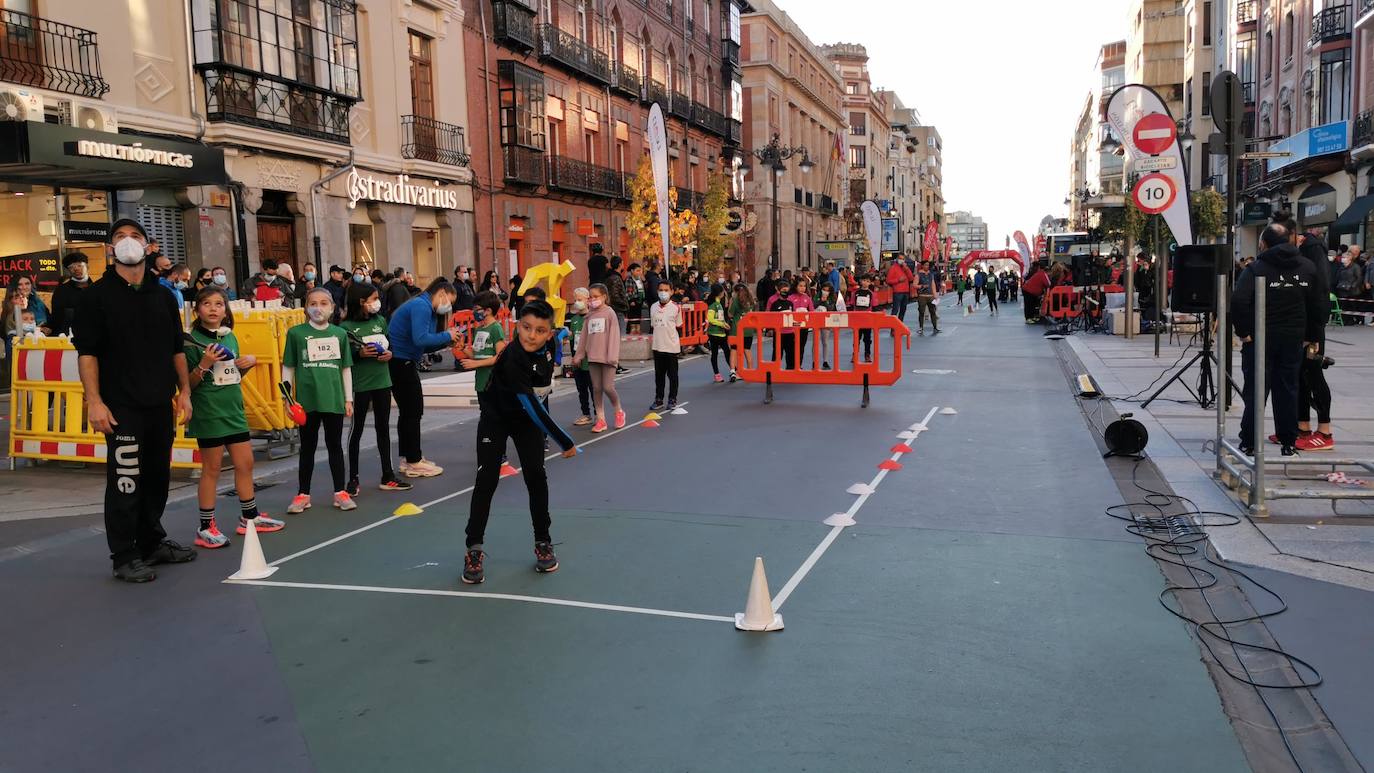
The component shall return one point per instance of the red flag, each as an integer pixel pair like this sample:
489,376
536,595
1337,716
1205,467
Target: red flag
932,241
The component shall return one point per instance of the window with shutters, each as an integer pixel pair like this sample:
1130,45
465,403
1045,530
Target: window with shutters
164,224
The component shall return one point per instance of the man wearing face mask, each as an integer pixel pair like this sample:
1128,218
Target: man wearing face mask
220,278
128,340
68,294
412,333
466,292
335,285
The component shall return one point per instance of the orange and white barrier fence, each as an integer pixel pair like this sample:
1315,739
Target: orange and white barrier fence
693,330
780,353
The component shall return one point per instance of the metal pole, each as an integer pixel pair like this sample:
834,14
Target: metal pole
1161,283
1233,135
1223,383
1130,292
1259,398
773,260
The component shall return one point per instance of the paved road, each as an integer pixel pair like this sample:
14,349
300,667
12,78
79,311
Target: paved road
982,615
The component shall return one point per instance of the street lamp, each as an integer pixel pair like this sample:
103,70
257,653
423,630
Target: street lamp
772,156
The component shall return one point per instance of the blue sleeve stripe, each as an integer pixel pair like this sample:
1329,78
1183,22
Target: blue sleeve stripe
541,419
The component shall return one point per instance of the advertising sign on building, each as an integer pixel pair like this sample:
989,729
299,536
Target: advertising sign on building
1309,143
892,234
42,267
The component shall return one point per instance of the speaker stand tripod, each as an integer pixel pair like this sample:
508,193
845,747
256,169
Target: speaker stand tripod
1206,393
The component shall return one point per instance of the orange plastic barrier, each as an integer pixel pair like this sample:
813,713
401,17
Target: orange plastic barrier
777,332
882,296
463,322
1063,302
693,330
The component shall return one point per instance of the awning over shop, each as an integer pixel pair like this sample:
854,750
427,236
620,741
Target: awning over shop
39,153
1354,215
1317,205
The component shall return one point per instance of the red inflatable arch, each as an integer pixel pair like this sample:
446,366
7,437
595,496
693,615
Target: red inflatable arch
983,256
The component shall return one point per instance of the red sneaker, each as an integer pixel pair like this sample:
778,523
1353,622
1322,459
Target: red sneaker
1316,441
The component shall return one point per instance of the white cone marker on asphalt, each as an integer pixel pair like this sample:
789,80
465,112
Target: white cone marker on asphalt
840,519
253,566
908,435
948,412
679,412
758,614
860,489
919,427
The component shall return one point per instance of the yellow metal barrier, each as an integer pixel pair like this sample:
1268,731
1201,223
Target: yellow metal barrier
262,333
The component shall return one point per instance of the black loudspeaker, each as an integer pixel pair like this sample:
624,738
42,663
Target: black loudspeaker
1195,277
1081,265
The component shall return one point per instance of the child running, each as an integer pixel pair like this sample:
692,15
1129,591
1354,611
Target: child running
318,361
581,371
367,341
718,329
826,300
863,301
218,421
601,347
521,375
666,318
741,304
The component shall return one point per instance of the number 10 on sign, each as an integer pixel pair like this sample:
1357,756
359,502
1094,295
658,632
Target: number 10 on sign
1154,193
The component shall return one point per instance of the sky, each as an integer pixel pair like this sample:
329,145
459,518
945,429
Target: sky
1002,81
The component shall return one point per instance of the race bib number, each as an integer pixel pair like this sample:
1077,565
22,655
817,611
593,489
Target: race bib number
225,373
322,349
480,340
596,326
862,301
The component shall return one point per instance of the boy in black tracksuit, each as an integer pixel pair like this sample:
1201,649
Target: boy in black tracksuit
512,408
1294,312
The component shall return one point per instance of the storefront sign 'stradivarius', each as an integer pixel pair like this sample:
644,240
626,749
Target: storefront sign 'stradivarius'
365,187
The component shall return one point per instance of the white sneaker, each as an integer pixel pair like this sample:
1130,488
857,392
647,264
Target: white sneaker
421,469
343,501
300,504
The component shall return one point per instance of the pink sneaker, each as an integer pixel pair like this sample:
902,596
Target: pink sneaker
619,419
600,426
719,379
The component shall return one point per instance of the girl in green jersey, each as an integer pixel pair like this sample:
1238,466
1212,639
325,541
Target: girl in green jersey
318,361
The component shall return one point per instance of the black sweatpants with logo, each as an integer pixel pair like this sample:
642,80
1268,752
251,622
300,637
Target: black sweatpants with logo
138,473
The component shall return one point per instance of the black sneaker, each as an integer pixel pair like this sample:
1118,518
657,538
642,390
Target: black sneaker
394,484
935,332
621,370
1246,449
472,567
1289,451
135,571
657,406
544,559
352,487
169,552
672,404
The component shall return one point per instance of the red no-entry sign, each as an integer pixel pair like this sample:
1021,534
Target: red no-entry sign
1154,193
1155,133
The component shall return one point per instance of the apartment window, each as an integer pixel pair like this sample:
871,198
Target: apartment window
1245,63
1207,93
421,76
1289,32
1188,100
1190,24
772,49
1268,54
690,9
858,124
1207,23
851,88
858,156
589,146
522,105
555,143
546,12
617,56
580,20
668,8
1335,86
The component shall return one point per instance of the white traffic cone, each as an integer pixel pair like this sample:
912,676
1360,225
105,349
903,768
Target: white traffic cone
253,565
758,614
860,489
840,519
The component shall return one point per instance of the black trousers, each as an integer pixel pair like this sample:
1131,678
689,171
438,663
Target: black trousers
1313,391
410,408
492,431
1031,304
333,443
138,474
583,380
379,402
665,367
1282,360
866,337
992,300
719,345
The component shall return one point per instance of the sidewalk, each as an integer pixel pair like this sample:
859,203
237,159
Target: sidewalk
1303,537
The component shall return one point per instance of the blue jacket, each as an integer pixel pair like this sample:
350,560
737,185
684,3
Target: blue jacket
412,329
836,283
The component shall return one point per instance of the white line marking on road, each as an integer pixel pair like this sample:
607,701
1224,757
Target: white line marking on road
816,554
494,596
440,500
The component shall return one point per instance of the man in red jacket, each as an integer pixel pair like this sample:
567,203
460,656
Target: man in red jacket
899,278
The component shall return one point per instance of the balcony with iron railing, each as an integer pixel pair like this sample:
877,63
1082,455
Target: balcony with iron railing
237,95
734,132
523,165
513,24
1365,13
49,55
729,53
566,49
1362,133
681,106
690,199
626,80
1331,24
656,92
709,119
1247,91
569,174
1245,12
426,139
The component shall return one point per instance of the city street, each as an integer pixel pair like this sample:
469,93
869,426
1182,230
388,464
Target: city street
983,614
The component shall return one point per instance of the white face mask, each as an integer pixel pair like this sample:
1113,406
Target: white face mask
374,307
317,314
129,251
579,306
444,308
664,295
221,280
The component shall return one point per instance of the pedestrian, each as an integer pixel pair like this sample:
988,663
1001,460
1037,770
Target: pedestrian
596,264
802,301
462,284
960,286
335,285
863,301
488,340
1294,310
826,300
767,287
899,278
413,333
218,422
600,350
522,374
718,329
67,296
980,281
128,338
665,318
1013,286
991,290
397,294
743,303
785,343
371,349
576,323
318,363
310,279
634,296
491,282
1313,391
616,298
1033,290
833,277
292,292
202,280
927,300
516,298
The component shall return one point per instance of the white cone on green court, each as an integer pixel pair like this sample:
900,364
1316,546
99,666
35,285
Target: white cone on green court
948,412
919,427
679,411
758,614
859,488
253,566
840,519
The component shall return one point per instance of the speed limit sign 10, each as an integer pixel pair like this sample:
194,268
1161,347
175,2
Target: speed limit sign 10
1154,193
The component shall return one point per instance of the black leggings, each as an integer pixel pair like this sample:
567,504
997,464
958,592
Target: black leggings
379,400
1313,391
719,344
333,441
492,431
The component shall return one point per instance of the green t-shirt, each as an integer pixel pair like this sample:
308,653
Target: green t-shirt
217,401
319,357
575,324
736,313
368,373
484,341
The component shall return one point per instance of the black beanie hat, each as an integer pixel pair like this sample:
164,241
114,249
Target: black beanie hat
120,223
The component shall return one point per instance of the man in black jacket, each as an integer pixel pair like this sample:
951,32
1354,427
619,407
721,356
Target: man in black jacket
68,294
1313,391
596,265
1294,310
